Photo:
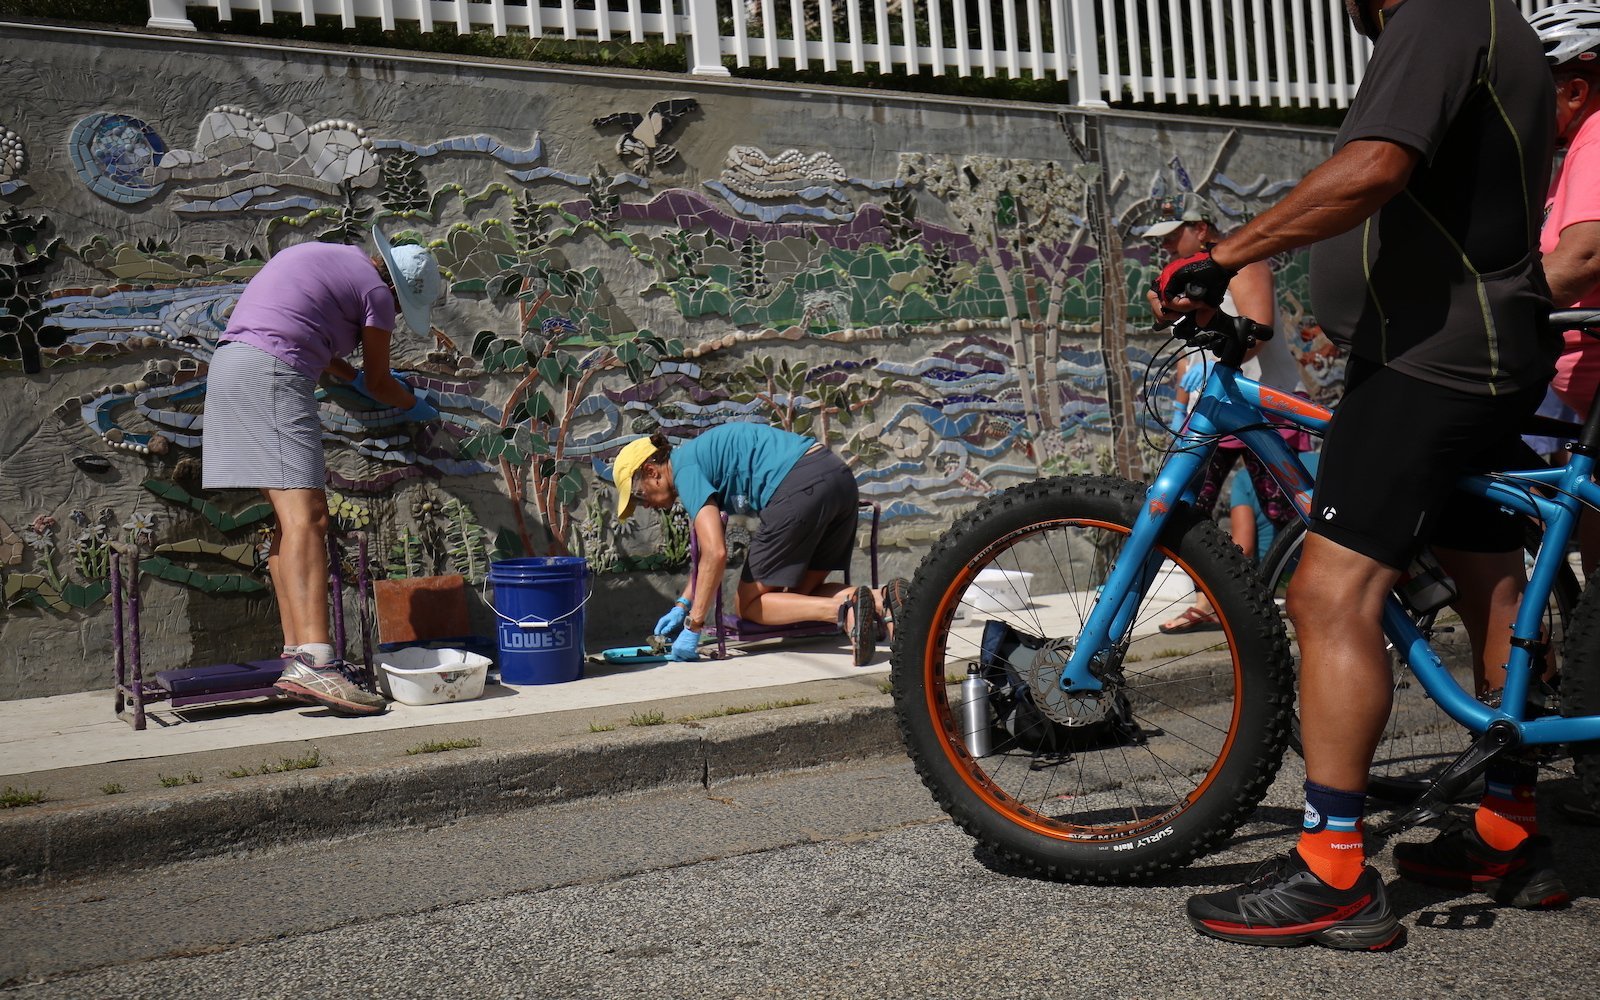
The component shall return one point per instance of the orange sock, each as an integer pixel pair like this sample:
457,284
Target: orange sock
1330,838
1336,856
1506,816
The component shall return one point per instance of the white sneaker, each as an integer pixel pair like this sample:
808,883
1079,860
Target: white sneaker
326,686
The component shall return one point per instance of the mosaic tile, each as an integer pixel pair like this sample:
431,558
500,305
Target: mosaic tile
115,155
13,162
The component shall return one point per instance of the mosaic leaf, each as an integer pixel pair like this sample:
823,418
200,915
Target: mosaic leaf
243,554
165,569
82,597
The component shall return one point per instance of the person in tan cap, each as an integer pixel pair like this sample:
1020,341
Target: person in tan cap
806,498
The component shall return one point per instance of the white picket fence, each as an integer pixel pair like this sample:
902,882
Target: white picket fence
1286,52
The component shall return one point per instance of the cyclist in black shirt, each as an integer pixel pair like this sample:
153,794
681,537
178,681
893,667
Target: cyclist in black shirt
1424,223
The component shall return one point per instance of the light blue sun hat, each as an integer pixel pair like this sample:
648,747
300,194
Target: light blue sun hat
416,280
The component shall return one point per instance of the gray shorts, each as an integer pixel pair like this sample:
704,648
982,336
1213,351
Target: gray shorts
262,429
809,524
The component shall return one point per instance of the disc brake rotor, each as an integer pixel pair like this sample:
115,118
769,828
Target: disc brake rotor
1043,677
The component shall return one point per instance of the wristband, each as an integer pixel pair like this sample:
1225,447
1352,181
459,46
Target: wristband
683,601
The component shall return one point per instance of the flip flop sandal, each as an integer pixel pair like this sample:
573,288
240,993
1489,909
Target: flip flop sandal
1192,620
863,628
895,593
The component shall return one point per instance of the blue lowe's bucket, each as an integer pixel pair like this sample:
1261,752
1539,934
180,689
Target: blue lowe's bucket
539,603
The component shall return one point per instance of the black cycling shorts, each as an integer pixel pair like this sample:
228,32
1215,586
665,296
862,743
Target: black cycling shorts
1396,446
810,523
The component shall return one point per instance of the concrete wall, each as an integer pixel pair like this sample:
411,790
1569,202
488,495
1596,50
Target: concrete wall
923,282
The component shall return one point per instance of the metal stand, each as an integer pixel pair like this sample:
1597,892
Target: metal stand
226,681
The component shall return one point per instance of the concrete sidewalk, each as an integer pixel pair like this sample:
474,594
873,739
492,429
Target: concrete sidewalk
208,780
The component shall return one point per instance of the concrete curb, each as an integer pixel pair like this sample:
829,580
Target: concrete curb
52,842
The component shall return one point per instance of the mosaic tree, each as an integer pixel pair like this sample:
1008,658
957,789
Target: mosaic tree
1021,216
1120,390
572,334
23,253
812,399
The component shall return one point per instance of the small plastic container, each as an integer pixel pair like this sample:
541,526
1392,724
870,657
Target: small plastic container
997,591
417,675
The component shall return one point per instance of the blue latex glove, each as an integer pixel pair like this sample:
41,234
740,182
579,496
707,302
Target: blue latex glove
686,646
422,412
359,383
671,621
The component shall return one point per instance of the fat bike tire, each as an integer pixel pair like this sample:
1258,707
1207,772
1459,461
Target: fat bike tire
1162,767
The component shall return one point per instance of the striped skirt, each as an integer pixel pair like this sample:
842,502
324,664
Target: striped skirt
262,430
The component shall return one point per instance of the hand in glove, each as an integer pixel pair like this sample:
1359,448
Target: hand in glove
671,621
422,411
359,383
1192,281
687,646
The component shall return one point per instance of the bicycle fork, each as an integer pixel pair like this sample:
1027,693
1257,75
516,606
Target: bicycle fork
1137,563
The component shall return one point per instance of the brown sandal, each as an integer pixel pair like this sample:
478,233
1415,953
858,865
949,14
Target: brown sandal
858,619
1192,620
895,593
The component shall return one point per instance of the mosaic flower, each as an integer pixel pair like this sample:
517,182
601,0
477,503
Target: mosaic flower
347,513
141,528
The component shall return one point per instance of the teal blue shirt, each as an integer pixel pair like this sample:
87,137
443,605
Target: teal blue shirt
740,463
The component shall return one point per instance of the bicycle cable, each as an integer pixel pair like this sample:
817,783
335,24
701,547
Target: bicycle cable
1163,373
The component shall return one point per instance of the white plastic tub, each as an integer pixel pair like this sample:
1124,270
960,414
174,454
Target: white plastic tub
416,675
996,592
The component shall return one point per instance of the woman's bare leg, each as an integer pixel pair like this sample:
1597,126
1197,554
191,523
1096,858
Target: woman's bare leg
299,567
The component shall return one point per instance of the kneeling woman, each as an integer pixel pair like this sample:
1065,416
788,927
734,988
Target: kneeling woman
806,498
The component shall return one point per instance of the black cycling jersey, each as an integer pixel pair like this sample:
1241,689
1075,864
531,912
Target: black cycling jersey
1443,283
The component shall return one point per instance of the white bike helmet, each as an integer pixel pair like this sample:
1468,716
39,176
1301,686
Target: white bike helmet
1570,33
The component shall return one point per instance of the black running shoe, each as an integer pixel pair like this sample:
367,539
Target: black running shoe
1458,858
1288,905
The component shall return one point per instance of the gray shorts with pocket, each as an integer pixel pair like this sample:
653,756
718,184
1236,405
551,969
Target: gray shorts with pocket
809,524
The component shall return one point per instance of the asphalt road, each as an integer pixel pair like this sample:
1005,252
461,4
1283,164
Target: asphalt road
839,882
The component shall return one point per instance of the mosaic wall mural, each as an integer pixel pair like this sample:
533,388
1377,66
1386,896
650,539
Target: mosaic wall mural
951,321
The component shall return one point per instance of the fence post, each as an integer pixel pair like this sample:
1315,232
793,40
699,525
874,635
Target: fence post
705,38
169,14
1086,53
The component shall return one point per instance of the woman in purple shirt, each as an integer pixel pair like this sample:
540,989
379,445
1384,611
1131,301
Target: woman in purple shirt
309,307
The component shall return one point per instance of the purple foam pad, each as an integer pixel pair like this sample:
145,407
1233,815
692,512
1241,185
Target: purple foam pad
220,678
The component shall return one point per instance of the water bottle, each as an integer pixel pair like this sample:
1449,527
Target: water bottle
975,712
1425,586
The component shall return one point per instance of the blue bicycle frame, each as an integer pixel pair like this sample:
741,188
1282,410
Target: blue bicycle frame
1232,405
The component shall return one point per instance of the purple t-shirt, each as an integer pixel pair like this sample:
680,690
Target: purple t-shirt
309,304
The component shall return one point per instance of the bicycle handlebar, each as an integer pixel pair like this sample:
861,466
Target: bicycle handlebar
1228,337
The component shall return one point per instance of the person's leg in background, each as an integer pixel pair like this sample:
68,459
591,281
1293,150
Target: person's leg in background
1500,851
300,579
1242,528
1201,616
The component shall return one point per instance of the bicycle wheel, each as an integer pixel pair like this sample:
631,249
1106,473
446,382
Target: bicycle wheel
1580,692
1420,740
1158,769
